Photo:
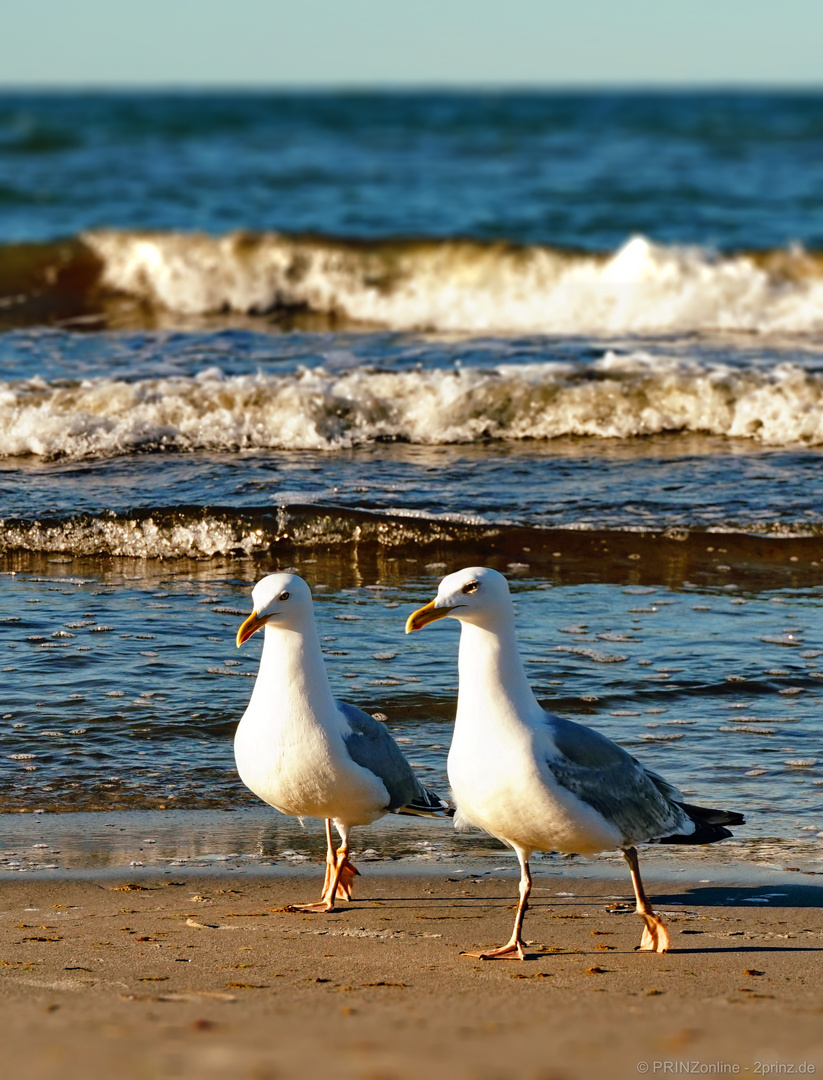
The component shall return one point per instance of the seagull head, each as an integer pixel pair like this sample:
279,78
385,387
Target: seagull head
477,595
283,599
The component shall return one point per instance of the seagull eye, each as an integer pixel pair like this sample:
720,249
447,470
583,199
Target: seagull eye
284,596
471,586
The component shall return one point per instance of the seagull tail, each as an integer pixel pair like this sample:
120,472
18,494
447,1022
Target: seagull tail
426,804
709,825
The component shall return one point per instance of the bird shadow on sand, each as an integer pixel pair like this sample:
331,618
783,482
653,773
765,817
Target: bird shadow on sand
763,951
764,896
739,950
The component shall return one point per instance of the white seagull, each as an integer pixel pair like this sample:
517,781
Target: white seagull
305,753
539,782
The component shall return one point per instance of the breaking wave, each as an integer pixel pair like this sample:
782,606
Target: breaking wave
418,284
196,533
616,397
298,534
464,286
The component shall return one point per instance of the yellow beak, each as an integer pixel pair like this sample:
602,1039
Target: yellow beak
249,627
424,615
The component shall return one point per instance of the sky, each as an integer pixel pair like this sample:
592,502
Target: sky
375,43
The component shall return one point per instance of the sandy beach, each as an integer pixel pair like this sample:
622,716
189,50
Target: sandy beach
173,975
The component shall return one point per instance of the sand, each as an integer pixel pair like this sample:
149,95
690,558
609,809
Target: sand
183,975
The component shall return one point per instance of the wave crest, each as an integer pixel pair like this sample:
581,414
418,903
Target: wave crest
197,533
616,397
466,286
295,530
129,278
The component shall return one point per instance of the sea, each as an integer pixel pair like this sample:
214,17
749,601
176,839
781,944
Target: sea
375,337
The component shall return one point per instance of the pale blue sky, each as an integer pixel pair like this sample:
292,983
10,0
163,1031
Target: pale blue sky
411,42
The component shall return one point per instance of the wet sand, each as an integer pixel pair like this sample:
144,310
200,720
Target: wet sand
180,975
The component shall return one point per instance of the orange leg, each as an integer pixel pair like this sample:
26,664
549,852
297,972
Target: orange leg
340,874
330,860
348,873
345,883
655,935
513,949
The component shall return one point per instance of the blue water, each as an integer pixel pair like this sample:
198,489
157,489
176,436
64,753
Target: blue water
453,352
581,170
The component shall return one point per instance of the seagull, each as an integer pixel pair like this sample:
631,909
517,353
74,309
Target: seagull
305,753
539,782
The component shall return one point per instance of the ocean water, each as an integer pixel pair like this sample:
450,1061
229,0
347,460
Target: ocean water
374,338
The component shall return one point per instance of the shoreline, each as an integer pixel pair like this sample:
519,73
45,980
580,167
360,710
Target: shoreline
206,975
256,841
671,554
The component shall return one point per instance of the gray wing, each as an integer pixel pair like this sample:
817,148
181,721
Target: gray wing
372,747
599,772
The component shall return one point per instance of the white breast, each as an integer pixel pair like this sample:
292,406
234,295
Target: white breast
306,772
502,786
290,745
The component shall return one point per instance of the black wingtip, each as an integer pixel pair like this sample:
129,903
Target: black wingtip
710,816
703,834
429,805
709,825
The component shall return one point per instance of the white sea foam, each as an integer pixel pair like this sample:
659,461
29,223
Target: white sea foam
464,286
171,534
616,397
141,539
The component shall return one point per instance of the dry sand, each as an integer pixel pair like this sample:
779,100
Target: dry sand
206,976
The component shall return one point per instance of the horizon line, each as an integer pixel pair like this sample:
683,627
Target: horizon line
435,86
